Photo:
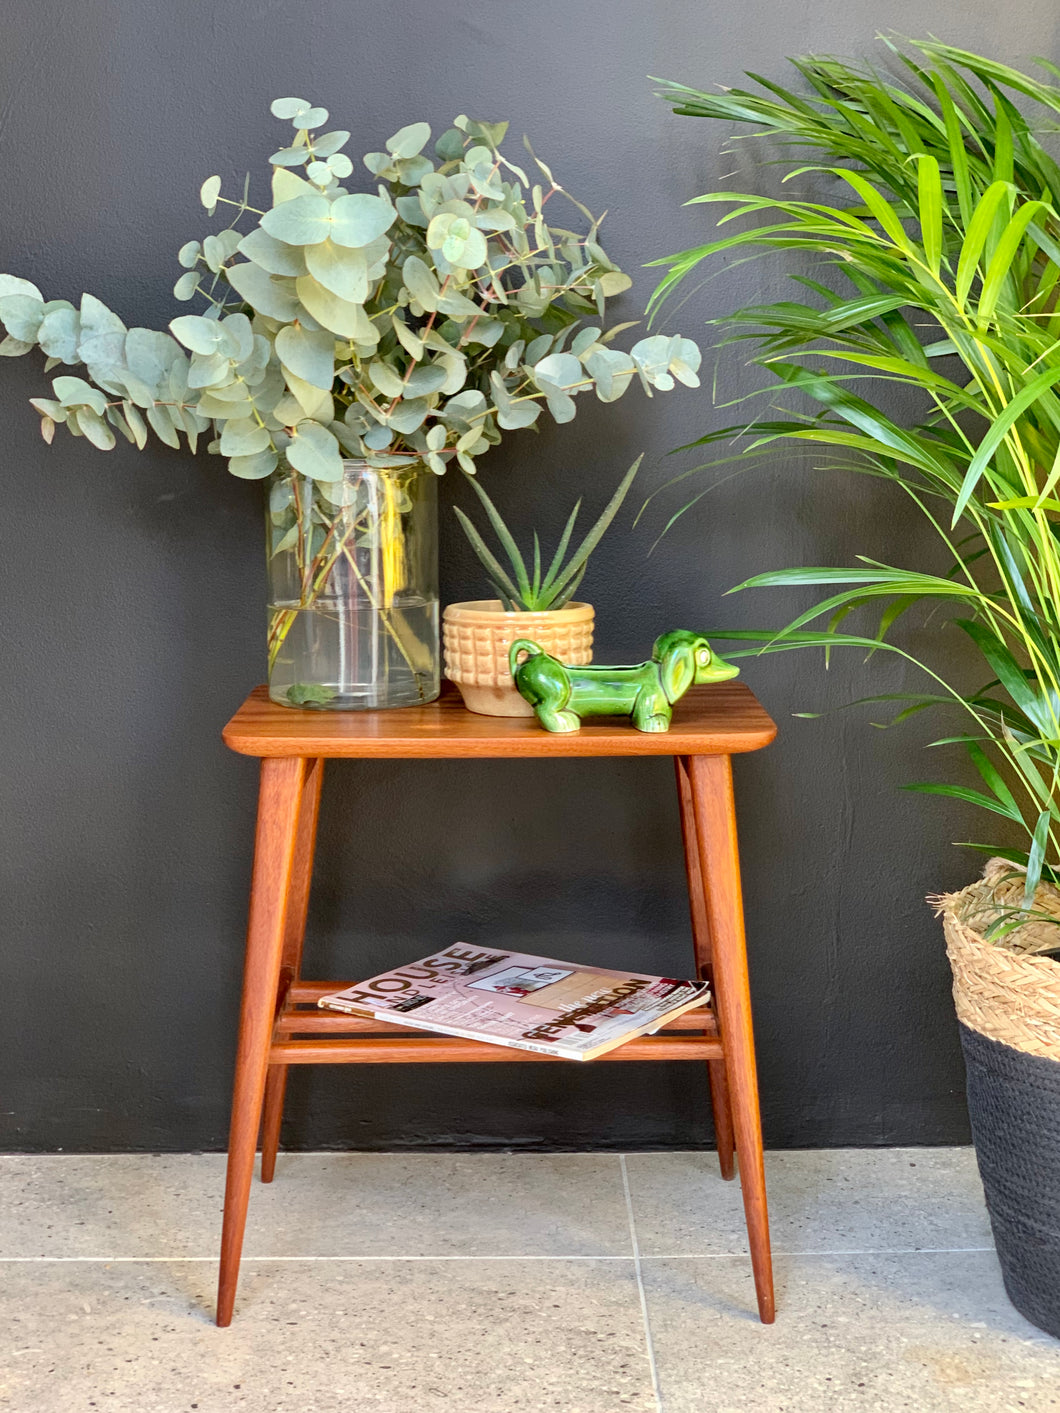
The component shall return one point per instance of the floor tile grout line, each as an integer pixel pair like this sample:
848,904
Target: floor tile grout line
648,1342
637,1259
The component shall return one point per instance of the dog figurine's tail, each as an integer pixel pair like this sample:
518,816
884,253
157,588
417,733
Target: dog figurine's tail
522,645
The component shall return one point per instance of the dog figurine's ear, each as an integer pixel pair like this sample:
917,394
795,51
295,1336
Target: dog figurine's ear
677,665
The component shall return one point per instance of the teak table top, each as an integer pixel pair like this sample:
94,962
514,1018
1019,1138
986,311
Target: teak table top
722,719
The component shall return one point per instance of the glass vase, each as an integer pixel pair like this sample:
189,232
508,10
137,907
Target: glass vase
353,588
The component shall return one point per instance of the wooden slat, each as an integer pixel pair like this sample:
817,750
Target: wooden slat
724,719
319,1022
448,1049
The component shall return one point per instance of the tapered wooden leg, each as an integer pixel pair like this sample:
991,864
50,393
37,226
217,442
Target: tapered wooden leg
714,809
291,959
275,843
719,1084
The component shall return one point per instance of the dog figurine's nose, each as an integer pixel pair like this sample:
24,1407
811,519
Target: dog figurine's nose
561,694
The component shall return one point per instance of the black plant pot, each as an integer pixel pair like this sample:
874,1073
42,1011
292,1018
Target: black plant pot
1014,1106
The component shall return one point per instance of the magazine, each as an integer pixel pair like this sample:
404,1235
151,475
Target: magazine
527,1003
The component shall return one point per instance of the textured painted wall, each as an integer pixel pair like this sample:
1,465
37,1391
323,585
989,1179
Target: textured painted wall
132,621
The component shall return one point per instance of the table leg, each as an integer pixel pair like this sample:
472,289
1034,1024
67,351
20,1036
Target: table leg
291,959
279,801
710,778
719,1084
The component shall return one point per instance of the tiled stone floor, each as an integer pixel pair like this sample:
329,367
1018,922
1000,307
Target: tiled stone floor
493,1283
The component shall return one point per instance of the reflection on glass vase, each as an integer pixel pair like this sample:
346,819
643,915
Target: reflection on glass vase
353,588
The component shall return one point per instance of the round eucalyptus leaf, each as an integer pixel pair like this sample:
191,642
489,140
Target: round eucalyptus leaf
329,142
310,356
271,254
209,192
315,452
425,380
255,467
244,437
389,382
311,118
319,173
409,141
340,165
562,370
13,284
188,254
186,285
378,438
306,220
21,315
289,157
342,317
342,270
264,292
288,107
198,333
357,218
420,282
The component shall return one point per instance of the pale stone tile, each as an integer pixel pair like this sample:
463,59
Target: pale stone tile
920,1333
836,1199
391,1336
488,1204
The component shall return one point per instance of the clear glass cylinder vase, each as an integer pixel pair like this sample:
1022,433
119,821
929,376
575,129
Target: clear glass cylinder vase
353,588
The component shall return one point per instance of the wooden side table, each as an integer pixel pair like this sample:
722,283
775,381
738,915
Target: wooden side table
280,1023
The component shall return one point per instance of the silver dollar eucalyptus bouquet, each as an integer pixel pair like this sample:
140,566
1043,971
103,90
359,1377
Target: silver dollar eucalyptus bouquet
350,342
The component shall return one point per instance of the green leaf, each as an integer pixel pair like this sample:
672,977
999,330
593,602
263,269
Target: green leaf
389,383
409,415
358,219
310,118
339,315
310,356
507,540
976,236
209,192
957,792
263,292
187,285
75,392
339,269
288,107
59,334
929,196
577,563
420,282
198,333
244,437
409,141
22,316
425,380
253,468
1036,858
506,589
13,284
271,254
95,429
314,451
305,220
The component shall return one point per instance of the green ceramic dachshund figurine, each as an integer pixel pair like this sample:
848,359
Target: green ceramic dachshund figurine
562,695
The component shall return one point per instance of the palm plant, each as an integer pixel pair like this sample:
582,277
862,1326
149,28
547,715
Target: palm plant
939,252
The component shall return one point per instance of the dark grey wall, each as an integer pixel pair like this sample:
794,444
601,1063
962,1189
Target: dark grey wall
132,621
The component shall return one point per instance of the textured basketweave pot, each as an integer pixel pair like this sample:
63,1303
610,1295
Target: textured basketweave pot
1008,1006
477,637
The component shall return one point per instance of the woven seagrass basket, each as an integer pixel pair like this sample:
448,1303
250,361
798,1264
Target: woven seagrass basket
1008,1007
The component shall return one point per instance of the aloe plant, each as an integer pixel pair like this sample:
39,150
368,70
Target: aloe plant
533,589
938,271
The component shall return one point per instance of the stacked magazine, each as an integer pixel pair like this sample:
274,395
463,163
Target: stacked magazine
524,1002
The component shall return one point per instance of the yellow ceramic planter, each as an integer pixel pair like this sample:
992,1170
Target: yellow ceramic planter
477,636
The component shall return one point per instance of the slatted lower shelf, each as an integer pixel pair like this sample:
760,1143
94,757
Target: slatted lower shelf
311,1036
